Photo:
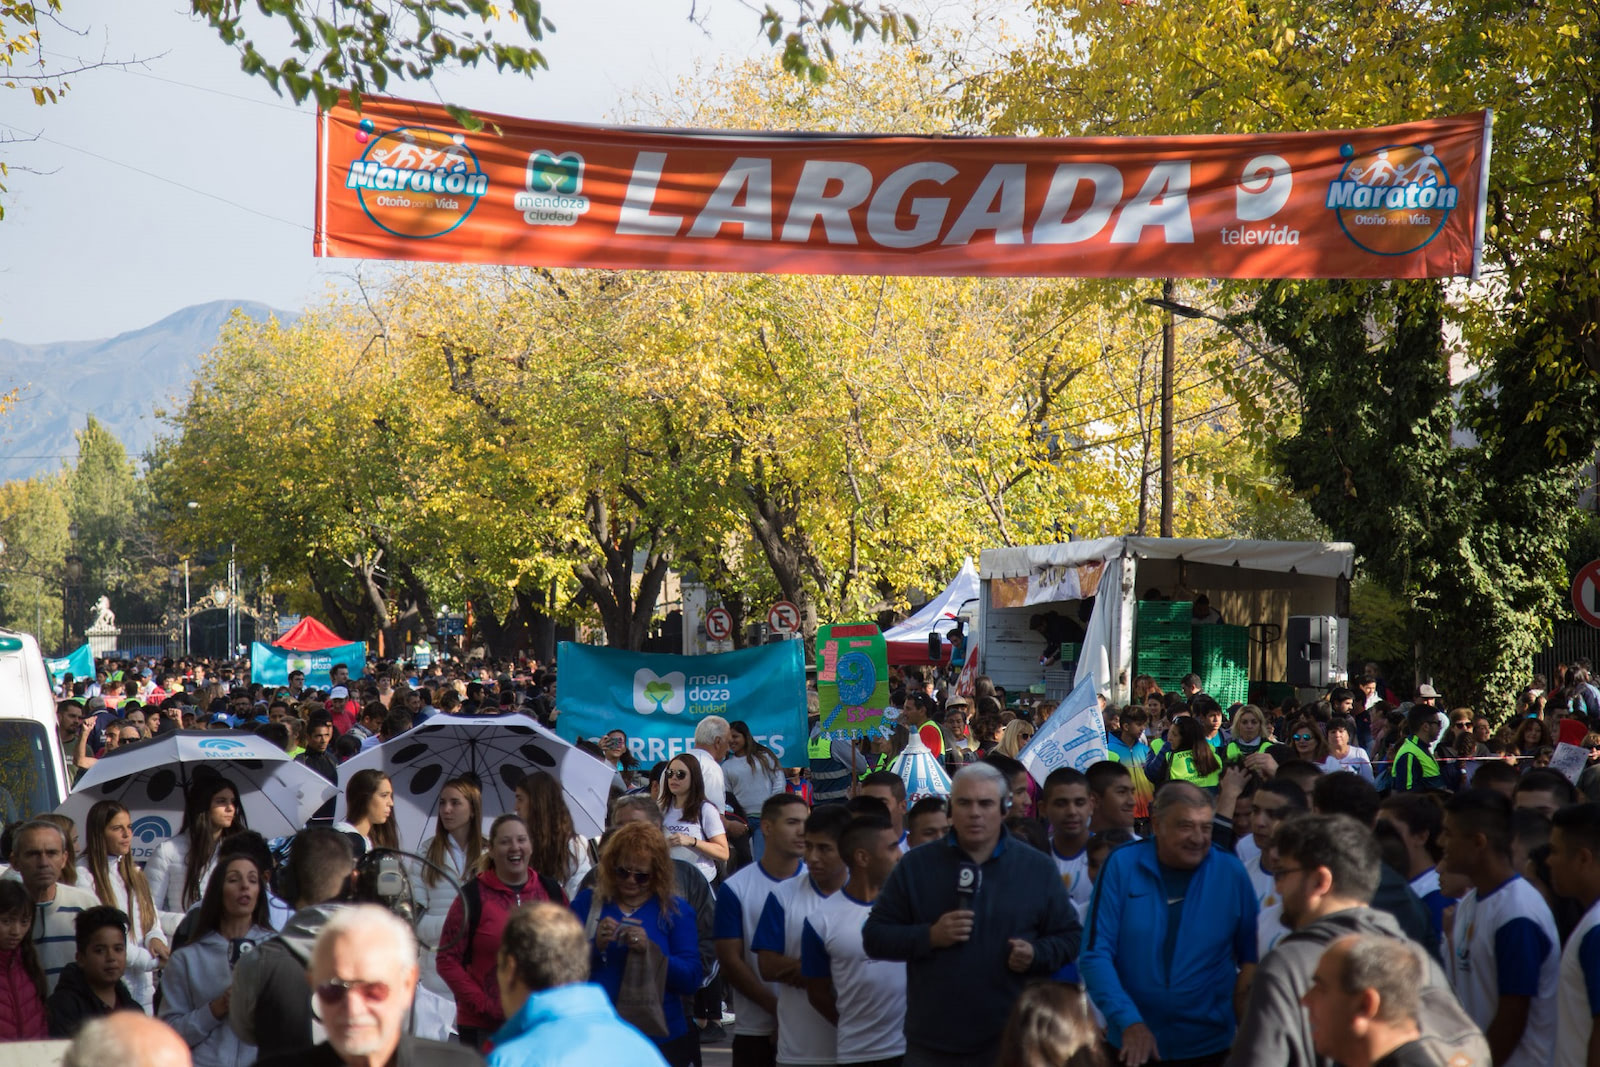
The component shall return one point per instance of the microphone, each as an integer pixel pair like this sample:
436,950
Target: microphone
968,878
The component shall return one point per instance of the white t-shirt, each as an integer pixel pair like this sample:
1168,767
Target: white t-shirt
711,776
1245,847
707,826
1356,761
740,900
1075,876
803,1035
750,784
1505,943
870,994
1579,996
1269,921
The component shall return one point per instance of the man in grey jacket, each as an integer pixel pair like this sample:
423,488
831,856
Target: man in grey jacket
1328,870
271,1003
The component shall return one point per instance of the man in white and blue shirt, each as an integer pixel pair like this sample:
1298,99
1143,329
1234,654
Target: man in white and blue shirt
865,998
1504,947
741,899
1575,873
804,1036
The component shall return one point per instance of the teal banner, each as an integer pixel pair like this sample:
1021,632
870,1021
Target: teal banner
78,663
657,699
270,665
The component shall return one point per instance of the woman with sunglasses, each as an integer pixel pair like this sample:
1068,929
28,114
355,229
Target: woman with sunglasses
1306,741
468,949
632,908
197,985
690,821
1015,737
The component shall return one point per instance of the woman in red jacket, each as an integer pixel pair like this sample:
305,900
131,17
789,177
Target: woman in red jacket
471,940
22,1014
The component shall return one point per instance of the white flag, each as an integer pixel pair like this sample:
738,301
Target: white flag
1075,736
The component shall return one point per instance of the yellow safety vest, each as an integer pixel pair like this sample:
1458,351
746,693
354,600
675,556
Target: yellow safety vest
1181,769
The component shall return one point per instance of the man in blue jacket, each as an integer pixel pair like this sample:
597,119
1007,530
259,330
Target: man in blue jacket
976,917
1171,933
554,1016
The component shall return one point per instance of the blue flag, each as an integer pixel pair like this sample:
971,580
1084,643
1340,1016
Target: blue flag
270,665
1075,736
657,699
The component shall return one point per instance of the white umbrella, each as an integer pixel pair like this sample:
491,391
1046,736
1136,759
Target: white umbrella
149,779
500,750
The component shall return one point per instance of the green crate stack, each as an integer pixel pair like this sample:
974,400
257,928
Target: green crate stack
1222,660
1163,649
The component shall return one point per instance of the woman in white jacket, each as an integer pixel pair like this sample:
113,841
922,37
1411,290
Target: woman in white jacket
107,869
197,986
457,846
181,867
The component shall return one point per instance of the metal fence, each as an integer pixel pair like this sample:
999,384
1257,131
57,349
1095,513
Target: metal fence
149,639
1572,641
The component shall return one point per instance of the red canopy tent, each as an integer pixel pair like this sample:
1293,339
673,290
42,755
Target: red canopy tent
309,635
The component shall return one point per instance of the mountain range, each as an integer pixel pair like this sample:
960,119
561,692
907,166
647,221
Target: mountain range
121,381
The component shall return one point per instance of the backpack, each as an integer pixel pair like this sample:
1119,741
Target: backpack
472,905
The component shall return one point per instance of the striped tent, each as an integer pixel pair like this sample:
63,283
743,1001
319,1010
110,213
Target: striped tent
924,775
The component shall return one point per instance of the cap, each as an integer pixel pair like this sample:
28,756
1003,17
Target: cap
1427,691
956,702
220,720
338,692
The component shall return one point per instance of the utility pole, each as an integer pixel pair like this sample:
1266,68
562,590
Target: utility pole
1169,343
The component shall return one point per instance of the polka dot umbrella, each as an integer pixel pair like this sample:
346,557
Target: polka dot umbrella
149,779
500,750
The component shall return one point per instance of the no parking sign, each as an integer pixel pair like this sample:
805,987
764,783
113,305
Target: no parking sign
1586,593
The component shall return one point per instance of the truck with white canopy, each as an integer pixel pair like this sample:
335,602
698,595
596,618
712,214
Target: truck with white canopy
1093,589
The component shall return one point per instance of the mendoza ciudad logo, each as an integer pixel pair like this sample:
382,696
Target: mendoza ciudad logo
1392,200
554,193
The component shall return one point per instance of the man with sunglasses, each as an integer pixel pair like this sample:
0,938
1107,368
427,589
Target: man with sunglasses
363,976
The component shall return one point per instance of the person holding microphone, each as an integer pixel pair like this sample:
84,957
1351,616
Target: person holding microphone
975,917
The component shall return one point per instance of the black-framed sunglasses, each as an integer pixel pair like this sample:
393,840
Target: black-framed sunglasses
675,775
334,991
628,874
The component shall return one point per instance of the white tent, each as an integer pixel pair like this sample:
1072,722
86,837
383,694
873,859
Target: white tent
908,640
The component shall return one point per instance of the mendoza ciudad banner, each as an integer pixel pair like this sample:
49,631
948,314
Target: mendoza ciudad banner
658,699
271,665
403,180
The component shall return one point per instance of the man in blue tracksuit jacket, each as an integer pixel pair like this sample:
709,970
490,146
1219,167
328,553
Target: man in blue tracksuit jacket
1171,935
965,967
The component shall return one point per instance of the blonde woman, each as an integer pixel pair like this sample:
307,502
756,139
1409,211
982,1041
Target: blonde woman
457,847
1014,738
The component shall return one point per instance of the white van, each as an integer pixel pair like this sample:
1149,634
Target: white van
33,771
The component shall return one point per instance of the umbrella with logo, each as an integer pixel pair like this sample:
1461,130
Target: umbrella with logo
499,750
149,778
924,775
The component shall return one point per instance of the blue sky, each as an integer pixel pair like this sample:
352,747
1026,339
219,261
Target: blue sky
199,186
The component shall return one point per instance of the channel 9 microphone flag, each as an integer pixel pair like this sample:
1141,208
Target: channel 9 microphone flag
1075,736
405,180
658,699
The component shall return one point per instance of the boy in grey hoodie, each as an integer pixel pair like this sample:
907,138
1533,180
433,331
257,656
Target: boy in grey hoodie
271,1003
1327,872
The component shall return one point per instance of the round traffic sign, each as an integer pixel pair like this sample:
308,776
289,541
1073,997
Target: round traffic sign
1586,592
784,618
719,624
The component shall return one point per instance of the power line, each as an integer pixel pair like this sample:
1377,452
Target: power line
151,174
126,69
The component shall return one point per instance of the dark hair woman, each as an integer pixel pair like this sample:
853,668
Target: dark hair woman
108,869
470,944
1185,757
559,854
231,920
22,988
369,808
753,775
633,907
689,820
178,871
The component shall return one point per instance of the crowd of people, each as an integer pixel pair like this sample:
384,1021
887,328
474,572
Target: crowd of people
1357,879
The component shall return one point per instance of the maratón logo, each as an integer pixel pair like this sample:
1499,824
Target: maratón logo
1392,200
416,181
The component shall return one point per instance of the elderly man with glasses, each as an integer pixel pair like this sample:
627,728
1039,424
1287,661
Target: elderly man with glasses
363,976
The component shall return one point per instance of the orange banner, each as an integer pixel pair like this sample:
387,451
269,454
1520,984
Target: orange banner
402,180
